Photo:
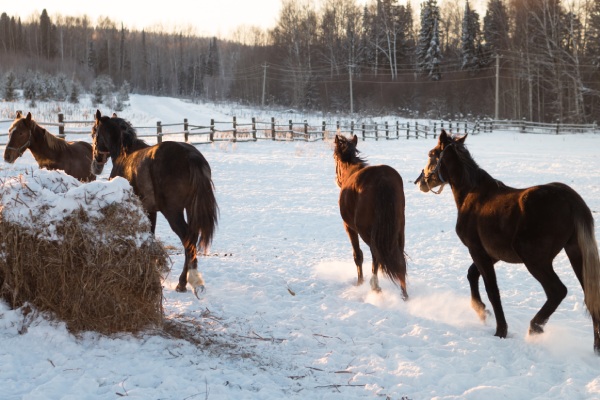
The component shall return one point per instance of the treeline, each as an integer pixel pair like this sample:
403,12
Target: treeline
537,60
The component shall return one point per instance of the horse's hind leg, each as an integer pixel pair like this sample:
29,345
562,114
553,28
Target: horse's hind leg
356,252
485,266
374,278
476,302
190,265
555,291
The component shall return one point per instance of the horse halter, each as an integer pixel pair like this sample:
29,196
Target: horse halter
436,171
21,149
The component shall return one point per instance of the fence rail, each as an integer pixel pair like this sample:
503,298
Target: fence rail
275,130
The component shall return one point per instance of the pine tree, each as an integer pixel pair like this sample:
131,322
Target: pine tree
428,50
495,28
74,94
593,35
10,90
470,38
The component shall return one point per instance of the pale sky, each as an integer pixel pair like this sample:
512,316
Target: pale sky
207,17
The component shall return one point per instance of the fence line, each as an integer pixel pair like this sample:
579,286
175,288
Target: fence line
302,131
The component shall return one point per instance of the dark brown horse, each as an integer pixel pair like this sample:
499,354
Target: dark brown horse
171,178
50,152
372,206
529,226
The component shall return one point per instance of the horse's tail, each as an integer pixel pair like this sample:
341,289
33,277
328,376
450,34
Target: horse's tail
387,234
591,264
202,210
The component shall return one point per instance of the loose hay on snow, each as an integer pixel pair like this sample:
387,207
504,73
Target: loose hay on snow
81,251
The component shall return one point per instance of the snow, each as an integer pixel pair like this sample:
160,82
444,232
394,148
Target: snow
281,316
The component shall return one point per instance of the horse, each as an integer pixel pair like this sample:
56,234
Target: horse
372,206
522,226
50,152
170,178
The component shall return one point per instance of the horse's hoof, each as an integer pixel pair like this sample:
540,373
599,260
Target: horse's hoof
360,282
199,288
535,329
501,333
181,288
377,289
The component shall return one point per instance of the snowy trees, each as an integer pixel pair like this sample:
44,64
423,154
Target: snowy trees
429,54
549,53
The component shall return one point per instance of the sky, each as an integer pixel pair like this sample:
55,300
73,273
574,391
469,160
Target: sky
281,316
207,17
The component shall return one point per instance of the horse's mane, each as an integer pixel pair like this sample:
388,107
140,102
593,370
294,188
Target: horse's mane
472,173
347,152
128,134
53,142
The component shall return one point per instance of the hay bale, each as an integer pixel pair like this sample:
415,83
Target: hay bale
83,252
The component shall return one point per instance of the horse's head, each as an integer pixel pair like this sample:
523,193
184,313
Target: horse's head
101,142
345,149
19,137
434,173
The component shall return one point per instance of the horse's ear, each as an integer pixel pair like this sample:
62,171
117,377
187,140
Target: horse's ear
461,140
337,139
98,115
443,136
28,118
114,115
354,140
19,114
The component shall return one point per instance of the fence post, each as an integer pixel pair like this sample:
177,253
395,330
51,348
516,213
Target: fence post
234,129
186,132
337,126
363,131
306,131
212,130
407,130
254,128
376,131
273,128
291,128
352,128
416,130
387,131
61,125
557,127
397,129
158,132
323,128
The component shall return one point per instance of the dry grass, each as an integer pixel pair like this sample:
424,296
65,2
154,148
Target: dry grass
100,279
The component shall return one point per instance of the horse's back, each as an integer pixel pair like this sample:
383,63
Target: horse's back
361,196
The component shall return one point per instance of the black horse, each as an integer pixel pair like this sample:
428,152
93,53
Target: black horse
372,206
170,177
50,152
530,226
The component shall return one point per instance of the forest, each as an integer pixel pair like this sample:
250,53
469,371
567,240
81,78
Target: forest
534,60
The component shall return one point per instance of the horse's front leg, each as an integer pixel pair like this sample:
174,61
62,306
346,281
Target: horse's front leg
478,305
356,252
485,266
152,218
374,278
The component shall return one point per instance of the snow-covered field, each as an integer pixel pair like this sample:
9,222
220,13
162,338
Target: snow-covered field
281,317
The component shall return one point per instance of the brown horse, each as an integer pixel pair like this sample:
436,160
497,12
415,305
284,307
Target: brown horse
372,206
529,226
170,177
50,152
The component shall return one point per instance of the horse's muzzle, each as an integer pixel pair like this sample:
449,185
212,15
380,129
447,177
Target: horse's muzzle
418,180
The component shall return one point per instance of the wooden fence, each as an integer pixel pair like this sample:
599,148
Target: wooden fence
254,129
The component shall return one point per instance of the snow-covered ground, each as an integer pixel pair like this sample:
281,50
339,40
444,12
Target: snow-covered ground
281,317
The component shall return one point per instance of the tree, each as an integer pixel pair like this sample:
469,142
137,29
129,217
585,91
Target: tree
10,90
428,48
470,39
495,28
47,36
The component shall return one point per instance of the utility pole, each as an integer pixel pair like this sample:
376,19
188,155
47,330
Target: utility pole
264,83
351,96
497,108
